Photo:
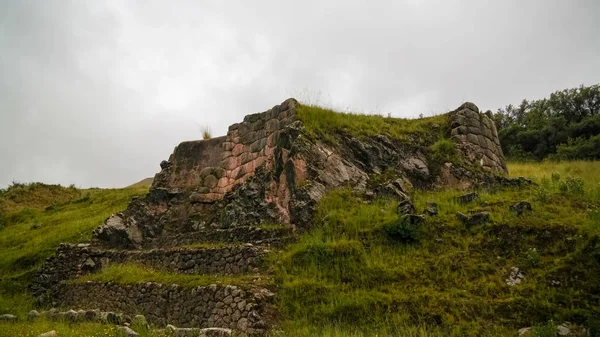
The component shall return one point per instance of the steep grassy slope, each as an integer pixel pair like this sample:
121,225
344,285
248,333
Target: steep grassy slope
35,219
348,277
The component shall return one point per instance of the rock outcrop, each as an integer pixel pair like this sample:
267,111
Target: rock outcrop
267,170
476,136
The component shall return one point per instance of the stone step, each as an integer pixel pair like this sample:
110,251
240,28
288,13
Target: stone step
275,236
123,322
72,261
216,306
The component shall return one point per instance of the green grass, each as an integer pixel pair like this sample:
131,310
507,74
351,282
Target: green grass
326,124
23,249
134,274
347,277
33,329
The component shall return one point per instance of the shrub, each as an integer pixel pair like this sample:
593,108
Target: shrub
406,229
572,185
443,150
546,330
531,259
542,195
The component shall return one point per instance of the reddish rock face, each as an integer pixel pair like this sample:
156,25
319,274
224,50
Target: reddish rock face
211,168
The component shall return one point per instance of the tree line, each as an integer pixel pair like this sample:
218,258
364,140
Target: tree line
565,126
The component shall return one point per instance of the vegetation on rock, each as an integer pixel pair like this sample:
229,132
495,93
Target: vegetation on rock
327,125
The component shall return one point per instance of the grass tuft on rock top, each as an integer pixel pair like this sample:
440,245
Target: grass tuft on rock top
347,276
325,124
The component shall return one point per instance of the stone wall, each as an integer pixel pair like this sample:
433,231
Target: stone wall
214,306
476,136
251,234
212,167
72,261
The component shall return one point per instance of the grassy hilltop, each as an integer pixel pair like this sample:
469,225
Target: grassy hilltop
348,276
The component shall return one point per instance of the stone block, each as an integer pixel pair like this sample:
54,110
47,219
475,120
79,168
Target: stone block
259,125
228,146
245,157
233,127
237,150
473,139
474,122
248,138
474,130
487,132
258,145
272,125
482,140
489,144
223,182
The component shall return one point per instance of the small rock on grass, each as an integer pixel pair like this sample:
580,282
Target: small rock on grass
8,318
33,315
521,207
431,209
48,334
477,218
127,331
467,198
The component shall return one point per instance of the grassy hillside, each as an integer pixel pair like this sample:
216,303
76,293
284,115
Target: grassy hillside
144,183
348,277
35,218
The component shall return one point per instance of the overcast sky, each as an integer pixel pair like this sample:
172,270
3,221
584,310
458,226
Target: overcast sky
97,93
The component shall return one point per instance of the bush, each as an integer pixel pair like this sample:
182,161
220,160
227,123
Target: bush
542,195
572,185
2,219
545,330
443,150
406,229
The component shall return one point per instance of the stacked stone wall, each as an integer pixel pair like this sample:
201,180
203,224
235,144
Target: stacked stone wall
72,261
255,235
206,306
476,136
210,168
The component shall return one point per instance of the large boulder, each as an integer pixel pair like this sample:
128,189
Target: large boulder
119,231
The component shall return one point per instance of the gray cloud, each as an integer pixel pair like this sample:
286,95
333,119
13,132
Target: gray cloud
96,93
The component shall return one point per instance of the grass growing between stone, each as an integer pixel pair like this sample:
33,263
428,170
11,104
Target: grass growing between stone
134,274
33,329
36,219
326,124
346,276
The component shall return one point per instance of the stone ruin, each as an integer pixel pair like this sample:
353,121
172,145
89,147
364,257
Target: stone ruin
219,194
